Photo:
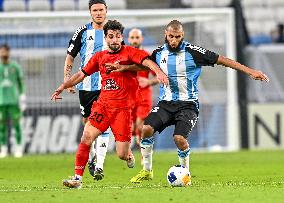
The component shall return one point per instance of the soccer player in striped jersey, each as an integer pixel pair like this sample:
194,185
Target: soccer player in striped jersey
87,40
178,103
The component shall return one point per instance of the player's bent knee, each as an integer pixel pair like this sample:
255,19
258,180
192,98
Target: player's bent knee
90,133
147,131
181,142
86,138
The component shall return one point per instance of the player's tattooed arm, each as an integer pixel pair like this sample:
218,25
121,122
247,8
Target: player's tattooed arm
254,74
67,72
69,61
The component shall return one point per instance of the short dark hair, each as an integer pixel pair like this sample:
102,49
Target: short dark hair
113,25
5,46
92,2
175,25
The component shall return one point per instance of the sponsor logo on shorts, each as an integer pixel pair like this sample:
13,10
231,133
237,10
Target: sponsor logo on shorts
155,109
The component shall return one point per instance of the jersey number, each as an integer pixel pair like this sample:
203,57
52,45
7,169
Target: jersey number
97,116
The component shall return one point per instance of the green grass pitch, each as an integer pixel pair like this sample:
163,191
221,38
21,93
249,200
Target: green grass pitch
245,176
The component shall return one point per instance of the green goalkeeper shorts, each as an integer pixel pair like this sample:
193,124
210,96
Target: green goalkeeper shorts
10,112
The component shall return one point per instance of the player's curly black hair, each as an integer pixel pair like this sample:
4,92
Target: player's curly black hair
113,25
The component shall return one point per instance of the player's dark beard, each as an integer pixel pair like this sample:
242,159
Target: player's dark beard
115,48
172,49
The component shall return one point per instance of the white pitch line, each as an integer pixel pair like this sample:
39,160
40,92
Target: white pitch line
83,188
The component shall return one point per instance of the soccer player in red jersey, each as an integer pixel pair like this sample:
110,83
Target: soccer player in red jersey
142,107
113,107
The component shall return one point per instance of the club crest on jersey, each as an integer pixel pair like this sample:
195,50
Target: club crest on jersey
111,85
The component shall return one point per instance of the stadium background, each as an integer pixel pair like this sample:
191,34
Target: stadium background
54,128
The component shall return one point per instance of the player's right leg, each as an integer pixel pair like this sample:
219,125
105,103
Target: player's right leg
157,120
99,147
90,133
3,132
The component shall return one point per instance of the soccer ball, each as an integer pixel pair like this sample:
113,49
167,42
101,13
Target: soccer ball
178,176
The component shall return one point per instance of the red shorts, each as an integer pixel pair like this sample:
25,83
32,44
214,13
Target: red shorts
141,110
119,119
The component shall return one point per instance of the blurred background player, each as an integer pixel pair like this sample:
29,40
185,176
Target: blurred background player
87,40
12,101
113,108
179,103
142,106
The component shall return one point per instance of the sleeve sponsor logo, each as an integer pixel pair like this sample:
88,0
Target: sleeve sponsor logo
77,32
196,48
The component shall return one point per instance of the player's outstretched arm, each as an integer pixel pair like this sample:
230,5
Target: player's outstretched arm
160,75
69,61
254,74
75,79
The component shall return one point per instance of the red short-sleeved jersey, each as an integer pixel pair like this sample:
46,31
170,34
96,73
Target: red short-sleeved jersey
117,88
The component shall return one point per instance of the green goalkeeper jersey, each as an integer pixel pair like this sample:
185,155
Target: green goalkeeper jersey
11,83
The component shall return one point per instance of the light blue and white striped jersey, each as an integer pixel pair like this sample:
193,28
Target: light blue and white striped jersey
87,41
183,69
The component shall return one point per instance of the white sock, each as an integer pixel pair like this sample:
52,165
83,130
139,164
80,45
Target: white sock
101,149
92,151
147,152
183,157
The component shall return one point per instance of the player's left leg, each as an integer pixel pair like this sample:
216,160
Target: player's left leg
16,115
184,123
124,152
121,126
183,150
